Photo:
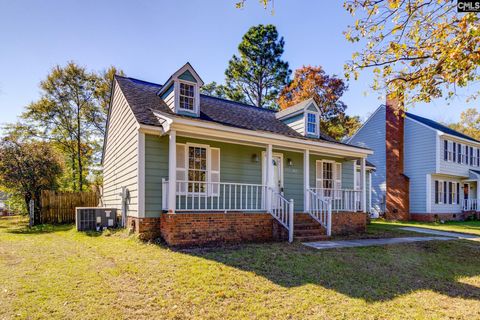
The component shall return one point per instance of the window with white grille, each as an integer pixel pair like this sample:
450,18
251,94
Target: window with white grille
187,96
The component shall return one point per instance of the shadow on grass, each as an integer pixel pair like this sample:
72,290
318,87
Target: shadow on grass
371,273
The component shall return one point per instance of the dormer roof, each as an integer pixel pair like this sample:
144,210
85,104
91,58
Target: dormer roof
298,108
185,73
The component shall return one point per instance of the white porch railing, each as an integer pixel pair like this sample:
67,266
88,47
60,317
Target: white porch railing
341,199
321,210
471,205
282,210
216,196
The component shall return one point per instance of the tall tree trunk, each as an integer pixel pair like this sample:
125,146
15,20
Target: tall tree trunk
74,171
79,151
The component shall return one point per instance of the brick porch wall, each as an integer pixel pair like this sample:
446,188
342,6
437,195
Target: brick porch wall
193,229
348,222
146,228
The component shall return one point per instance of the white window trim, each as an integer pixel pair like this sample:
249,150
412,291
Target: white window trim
317,125
209,167
195,90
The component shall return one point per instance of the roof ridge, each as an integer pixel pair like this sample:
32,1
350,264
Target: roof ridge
136,79
237,102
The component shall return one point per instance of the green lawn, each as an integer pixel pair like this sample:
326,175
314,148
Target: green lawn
56,272
472,227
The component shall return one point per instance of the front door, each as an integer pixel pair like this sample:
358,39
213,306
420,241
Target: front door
466,191
277,174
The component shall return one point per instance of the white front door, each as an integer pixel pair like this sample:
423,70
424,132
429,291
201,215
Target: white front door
277,161
277,174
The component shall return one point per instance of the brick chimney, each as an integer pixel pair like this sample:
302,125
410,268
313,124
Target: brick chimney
397,202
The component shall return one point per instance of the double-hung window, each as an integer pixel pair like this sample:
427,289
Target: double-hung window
440,192
329,178
312,123
459,153
197,169
445,150
187,96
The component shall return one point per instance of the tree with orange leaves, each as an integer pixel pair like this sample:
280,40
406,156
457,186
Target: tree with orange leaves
313,82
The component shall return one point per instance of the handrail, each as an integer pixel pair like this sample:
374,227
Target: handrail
282,210
320,209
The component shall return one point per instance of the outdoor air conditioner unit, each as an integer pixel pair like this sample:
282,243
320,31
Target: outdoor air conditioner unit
95,218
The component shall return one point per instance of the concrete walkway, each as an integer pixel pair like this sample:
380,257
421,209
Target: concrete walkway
370,242
441,233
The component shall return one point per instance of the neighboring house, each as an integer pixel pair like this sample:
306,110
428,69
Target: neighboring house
424,170
201,169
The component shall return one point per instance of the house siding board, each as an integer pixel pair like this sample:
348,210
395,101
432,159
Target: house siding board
419,160
120,159
293,178
236,163
372,136
296,122
188,76
156,168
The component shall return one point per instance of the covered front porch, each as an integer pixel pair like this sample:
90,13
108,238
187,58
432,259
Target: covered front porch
471,192
230,175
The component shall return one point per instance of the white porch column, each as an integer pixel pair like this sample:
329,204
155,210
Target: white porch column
363,179
172,170
306,180
269,176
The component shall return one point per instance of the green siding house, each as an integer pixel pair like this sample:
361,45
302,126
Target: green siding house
194,169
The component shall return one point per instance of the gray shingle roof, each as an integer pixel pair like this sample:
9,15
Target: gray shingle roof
438,126
143,100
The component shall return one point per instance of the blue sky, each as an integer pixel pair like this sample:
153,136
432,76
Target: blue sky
151,39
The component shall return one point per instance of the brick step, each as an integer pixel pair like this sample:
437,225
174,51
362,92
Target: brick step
303,219
303,226
308,232
312,238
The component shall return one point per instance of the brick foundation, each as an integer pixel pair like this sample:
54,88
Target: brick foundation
432,217
348,222
146,228
189,229
196,229
397,184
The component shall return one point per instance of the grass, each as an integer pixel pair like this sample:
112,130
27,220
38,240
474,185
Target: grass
471,227
56,272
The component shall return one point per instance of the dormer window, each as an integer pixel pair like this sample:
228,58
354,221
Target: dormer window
304,117
312,123
187,96
181,92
